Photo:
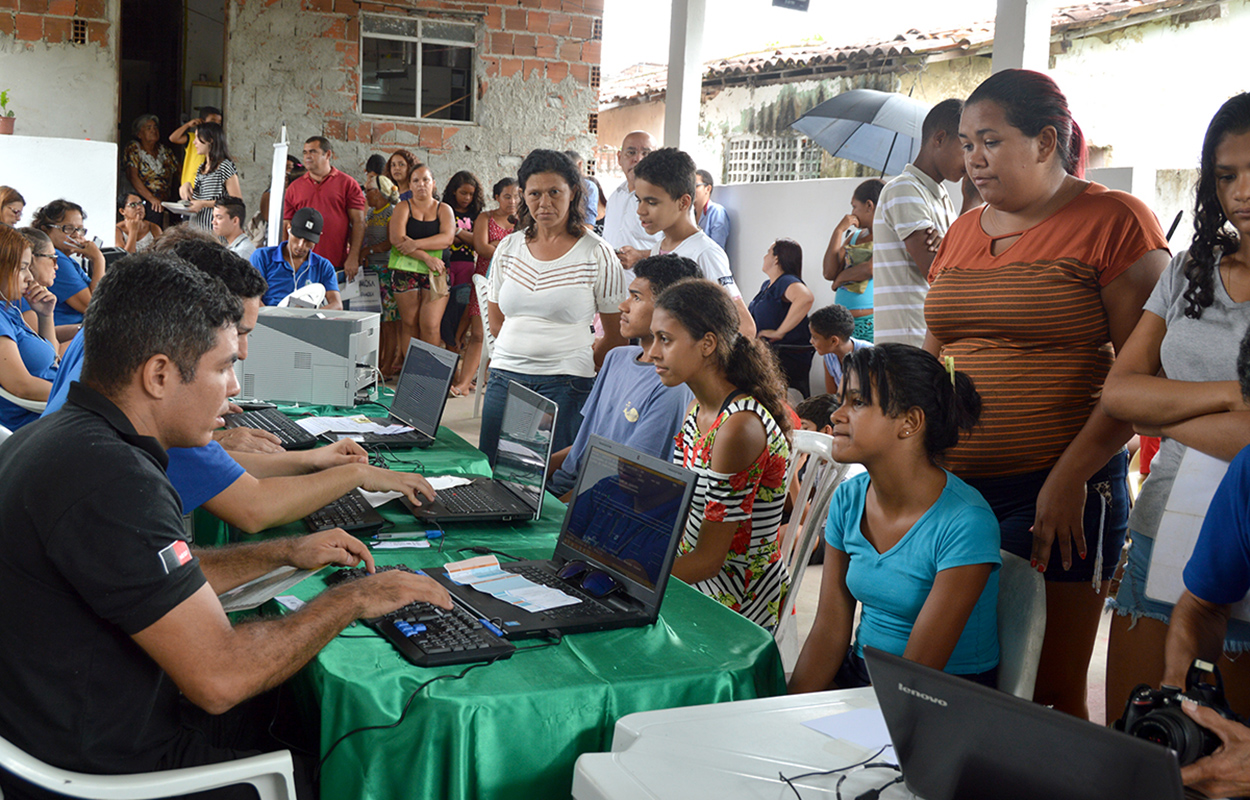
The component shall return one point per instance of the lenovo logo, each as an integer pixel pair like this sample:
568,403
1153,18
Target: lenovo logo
927,698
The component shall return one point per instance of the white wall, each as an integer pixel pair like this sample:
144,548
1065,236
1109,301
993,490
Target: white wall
45,169
61,90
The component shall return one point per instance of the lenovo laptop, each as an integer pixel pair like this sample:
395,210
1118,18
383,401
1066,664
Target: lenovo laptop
956,739
626,518
519,466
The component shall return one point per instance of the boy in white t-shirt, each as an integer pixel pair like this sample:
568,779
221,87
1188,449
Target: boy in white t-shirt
664,183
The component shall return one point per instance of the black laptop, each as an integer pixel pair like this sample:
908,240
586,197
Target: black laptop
957,739
519,466
420,397
626,518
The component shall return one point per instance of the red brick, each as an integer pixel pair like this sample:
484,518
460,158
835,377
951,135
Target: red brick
373,8
56,30
431,137
98,33
524,44
448,133
514,20
7,26
9,5
334,129
533,67
581,27
360,132
353,30
557,71
510,66
530,3
593,7
571,51
545,46
33,6
29,27
494,18
560,24
575,6
92,9
580,73
337,30
318,6
492,66
345,7
538,22
62,8
380,129
591,52
500,44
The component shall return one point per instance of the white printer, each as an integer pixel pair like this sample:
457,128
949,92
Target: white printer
310,356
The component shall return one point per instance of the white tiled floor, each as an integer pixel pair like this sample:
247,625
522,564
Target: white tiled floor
459,417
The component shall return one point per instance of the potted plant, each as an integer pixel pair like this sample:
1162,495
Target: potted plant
6,115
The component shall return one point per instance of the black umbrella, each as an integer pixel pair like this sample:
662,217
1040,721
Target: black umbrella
880,130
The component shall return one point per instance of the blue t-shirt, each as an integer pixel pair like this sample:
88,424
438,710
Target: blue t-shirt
38,357
1219,569
769,309
628,405
69,371
201,473
591,212
958,530
283,280
715,223
833,365
70,280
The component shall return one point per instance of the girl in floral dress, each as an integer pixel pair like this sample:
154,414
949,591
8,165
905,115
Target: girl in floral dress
734,439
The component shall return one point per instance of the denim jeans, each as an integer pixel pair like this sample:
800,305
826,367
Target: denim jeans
568,392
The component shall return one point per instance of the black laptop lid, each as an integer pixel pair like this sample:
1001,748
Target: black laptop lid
957,739
626,517
421,393
520,460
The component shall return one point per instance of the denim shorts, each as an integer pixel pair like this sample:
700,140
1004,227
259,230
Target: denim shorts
1131,599
1014,501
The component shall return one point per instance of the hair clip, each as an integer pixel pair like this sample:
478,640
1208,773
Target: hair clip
950,368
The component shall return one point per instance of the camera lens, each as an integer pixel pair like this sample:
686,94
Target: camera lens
1173,729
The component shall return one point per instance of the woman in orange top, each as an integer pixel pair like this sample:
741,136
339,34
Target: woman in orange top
1029,295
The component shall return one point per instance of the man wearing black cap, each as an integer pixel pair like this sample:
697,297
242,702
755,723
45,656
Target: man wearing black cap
293,265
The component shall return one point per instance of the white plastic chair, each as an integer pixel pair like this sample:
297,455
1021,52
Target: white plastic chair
4,434
481,286
272,774
36,406
822,477
1021,625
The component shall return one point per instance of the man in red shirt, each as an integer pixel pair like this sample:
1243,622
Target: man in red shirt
338,198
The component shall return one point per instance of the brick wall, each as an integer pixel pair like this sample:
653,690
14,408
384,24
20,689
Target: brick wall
51,21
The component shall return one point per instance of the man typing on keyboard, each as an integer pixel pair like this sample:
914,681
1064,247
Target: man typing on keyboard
116,650
254,491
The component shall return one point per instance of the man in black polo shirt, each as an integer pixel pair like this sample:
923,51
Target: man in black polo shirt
109,616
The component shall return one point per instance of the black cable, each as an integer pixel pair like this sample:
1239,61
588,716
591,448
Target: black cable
482,550
790,781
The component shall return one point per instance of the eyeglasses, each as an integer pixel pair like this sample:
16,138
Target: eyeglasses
50,256
595,582
700,185
634,152
135,205
70,230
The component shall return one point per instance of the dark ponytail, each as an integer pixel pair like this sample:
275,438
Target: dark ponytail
905,377
702,307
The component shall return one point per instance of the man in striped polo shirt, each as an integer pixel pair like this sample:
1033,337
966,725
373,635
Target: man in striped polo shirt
913,206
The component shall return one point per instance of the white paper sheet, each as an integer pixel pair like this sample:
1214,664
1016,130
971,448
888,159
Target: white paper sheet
354,424
483,573
440,482
401,544
862,726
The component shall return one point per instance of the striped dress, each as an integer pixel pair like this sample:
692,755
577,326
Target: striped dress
1028,325
211,186
753,580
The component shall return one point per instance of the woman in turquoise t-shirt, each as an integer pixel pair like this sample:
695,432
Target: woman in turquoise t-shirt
914,544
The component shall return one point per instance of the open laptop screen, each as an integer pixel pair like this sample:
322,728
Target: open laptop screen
423,385
520,461
624,514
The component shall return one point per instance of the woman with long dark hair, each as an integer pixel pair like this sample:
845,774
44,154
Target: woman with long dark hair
216,177
11,205
546,285
1177,377
734,439
780,312
464,195
399,168
1032,295
914,544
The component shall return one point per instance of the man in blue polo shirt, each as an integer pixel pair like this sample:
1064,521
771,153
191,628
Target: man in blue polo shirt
628,404
293,265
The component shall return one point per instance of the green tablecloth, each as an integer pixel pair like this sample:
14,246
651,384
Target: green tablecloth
515,728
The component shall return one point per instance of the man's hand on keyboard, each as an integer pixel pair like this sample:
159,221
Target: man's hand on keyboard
334,546
248,440
410,483
383,593
344,451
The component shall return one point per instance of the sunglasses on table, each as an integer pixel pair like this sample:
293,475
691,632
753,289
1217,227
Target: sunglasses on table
595,582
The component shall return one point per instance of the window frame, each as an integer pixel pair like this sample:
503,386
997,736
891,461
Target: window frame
474,24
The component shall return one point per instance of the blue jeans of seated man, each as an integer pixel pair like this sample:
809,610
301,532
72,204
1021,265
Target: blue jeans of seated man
568,392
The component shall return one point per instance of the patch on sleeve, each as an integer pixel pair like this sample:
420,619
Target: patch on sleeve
726,280
174,556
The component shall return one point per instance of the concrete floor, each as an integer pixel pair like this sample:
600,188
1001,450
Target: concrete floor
459,417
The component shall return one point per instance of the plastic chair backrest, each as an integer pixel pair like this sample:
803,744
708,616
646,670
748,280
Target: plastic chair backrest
272,774
21,402
822,477
1021,625
481,285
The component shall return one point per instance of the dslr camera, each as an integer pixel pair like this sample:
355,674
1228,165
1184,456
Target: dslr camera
1156,715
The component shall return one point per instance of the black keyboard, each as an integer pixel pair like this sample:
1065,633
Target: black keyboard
351,512
469,499
588,607
292,436
430,636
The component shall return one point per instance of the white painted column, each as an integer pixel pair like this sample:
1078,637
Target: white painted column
685,75
1022,35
